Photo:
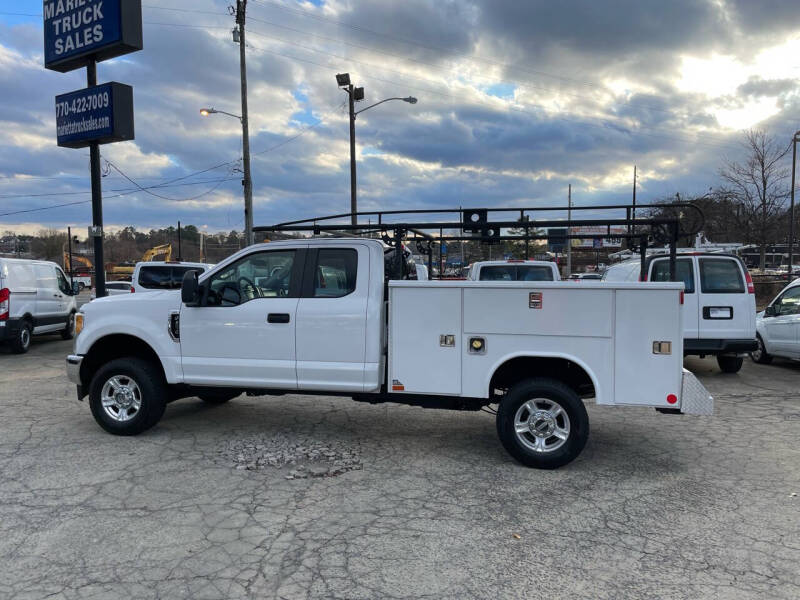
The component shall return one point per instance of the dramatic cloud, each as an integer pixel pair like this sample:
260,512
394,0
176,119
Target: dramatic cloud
516,101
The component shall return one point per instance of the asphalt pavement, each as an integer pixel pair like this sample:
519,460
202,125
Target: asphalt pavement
317,497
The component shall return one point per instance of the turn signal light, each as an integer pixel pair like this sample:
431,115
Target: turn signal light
78,323
750,287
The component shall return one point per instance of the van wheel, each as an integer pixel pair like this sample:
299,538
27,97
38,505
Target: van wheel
81,286
128,396
69,330
217,396
730,364
760,354
542,423
22,341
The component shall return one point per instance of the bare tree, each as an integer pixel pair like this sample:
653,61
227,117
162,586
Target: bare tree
759,188
49,244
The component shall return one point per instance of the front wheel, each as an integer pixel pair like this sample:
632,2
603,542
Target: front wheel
128,396
760,355
730,364
542,423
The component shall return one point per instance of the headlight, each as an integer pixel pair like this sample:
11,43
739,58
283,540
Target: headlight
78,323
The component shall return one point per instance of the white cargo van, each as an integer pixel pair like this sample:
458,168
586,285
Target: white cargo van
514,270
35,298
719,308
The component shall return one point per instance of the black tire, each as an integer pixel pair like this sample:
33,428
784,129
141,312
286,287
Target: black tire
217,396
543,391
21,342
81,286
730,364
152,397
760,356
69,331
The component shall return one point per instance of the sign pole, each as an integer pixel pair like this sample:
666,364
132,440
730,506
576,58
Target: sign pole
97,198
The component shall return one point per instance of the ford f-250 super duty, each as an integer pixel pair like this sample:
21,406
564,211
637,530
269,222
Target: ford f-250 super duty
318,316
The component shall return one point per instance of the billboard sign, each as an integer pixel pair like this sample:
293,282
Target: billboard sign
103,114
79,31
597,243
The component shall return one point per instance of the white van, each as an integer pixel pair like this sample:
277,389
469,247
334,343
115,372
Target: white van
719,306
159,275
35,298
514,270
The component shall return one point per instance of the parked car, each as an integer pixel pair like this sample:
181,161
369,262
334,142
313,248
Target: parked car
778,327
514,270
159,275
719,305
320,315
35,298
115,288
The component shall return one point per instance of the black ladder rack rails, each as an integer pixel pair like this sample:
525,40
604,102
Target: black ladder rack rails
663,226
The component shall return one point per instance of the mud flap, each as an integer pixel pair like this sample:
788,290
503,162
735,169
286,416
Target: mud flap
695,399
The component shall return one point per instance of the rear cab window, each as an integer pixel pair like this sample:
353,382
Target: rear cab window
515,273
720,276
335,273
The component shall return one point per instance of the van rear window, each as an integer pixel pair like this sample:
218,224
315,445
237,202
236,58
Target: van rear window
720,276
683,270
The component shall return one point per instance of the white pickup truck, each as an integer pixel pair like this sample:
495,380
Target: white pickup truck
318,316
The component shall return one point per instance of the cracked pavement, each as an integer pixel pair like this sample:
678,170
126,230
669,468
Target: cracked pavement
657,506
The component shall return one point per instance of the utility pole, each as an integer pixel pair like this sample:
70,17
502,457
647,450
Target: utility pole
69,245
247,182
634,193
352,110
791,206
97,199
179,241
569,226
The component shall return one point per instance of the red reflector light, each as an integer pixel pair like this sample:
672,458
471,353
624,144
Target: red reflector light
681,296
643,278
5,303
398,388
750,287
133,289
672,399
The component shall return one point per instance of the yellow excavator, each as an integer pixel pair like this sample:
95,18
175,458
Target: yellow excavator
82,263
163,252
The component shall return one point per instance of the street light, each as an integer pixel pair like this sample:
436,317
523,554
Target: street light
355,94
791,205
247,182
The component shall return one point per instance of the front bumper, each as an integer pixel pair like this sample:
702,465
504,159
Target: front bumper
74,368
715,346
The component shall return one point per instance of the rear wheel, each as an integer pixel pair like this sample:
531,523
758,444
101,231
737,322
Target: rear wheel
730,364
128,396
21,343
760,355
217,396
542,423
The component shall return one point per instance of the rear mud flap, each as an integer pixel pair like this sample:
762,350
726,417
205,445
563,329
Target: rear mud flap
695,399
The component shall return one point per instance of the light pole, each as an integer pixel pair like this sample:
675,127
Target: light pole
247,182
791,205
356,94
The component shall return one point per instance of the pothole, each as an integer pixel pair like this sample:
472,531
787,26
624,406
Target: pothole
300,459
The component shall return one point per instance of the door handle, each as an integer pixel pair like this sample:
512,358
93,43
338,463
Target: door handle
278,318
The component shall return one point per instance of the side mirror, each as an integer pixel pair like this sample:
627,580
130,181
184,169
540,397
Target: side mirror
76,288
770,311
190,289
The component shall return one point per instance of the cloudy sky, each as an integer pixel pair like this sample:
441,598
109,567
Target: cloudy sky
516,101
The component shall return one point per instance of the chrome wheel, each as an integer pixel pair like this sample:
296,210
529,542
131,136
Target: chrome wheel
758,353
121,398
542,425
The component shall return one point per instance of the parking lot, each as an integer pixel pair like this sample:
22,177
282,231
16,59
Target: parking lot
303,496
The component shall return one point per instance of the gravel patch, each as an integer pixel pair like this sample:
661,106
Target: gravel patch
301,459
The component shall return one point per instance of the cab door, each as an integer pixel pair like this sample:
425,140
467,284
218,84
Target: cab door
332,319
243,334
659,271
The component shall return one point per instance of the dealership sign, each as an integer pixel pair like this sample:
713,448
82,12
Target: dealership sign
596,243
79,31
103,114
